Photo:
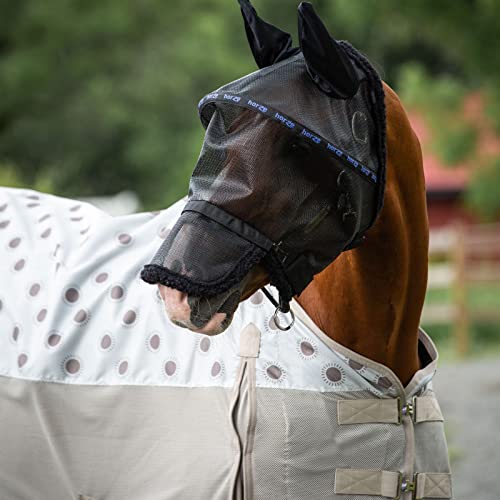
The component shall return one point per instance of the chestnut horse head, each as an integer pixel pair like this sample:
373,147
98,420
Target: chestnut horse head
261,181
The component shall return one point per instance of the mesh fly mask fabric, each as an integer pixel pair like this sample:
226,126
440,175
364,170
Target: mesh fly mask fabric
291,171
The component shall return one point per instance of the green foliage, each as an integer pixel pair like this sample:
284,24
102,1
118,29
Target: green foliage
99,96
484,193
440,99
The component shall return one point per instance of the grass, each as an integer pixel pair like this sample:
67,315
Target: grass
485,337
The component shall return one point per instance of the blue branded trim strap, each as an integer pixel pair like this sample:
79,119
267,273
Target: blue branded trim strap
245,102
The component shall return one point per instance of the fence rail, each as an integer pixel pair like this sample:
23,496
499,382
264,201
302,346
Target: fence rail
461,256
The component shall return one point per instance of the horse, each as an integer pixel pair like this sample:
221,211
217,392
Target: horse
104,396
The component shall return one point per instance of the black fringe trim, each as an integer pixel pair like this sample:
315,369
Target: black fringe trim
155,274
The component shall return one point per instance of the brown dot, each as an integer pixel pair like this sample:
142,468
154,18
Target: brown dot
72,295
15,333
154,342
75,208
257,298
54,339
307,348
101,277
117,292
46,233
216,369
163,232
22,360
272,324
129,317
19,265
355,365
4,224
123,367
274,372
15,242
205,344
3,207
170,367
384,382
72,366
33,205
106,342
124,238
34,289
42,314
333,374
44,218
81,316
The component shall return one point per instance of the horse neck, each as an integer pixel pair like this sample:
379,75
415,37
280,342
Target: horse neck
370,299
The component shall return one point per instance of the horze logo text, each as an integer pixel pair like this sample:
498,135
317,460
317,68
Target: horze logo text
337,151
207,97
284,120
254,104
311,136
233,98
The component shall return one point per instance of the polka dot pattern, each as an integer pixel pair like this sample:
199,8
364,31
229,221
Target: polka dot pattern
106,342
117,292
101,277
20,265
124,239
129,318
205,344
15,333
72,366
53,339
22,359
123,368
257,298
14,242
129,337
81,317
170,368
41,315
71,295
154,342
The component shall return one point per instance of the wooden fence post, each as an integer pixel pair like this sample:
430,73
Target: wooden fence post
461,324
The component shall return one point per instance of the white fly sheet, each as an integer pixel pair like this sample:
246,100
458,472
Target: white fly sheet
102,397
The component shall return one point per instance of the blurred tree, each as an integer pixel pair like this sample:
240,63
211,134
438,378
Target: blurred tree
99,96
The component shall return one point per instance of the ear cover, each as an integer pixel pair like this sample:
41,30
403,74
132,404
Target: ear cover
327,64
268,43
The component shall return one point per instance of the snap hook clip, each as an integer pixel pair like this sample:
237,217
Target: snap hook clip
277,321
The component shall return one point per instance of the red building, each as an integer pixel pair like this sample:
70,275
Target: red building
446,185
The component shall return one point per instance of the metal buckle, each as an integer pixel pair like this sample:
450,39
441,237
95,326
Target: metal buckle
406,410
280,253
405,486
277,322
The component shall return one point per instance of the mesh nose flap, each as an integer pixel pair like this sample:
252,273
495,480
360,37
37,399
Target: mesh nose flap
226,257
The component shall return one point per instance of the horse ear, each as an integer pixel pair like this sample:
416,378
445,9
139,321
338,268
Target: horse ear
268,43
327,64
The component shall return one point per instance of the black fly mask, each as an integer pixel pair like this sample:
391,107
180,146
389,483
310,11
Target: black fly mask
292,169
